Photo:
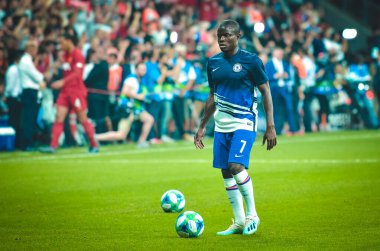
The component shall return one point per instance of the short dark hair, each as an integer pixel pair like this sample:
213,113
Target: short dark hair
148,55
90,52
72,37
48,30
232,24
15,56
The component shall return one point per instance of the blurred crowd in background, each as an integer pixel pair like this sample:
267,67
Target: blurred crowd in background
316,83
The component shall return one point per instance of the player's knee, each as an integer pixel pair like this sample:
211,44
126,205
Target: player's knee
60,118
82,117
226,173
235,168
150,120
122,135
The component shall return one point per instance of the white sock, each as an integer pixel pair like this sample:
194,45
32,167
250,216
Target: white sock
244,184
236,200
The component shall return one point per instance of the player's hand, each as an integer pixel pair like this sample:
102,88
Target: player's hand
270,137
198,138
140,96
123,44
47,76
42,85
57,84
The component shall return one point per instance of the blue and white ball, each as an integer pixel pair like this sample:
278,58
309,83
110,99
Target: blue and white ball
189,224
173,201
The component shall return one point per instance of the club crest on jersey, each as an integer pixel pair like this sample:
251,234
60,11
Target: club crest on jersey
237,67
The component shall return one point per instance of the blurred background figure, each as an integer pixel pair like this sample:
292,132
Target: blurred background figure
32,82
306,68
184,77
13,90
96,78
278,72
375,70
166,83
115,79
358,77
151,86
133,99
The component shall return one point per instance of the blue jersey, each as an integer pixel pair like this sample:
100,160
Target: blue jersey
234,80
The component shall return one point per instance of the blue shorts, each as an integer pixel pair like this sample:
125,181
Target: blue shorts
233,147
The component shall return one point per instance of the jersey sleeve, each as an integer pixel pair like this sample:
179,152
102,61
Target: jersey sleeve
131,83
259,75
209,77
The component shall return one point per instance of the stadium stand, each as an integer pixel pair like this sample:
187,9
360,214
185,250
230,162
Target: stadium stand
333,82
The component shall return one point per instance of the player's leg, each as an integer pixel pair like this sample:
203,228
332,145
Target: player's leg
124,127
79,104
88,128
62,106
110,136
241,145
165,117
57,129
236,201
221,149
73,128
178,115
147,123
289,110
244,184
277,108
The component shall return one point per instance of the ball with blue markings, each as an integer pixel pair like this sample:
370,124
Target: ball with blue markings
173,201
189,224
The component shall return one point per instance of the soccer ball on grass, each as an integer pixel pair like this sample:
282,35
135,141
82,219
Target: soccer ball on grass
189,224
172,201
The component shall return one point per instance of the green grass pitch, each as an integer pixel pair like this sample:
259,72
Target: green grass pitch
319,191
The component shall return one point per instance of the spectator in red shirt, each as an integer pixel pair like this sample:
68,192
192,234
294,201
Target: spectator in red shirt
208,11
150,16
73,94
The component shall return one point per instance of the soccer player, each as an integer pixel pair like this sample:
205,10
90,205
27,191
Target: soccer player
233,75
73,94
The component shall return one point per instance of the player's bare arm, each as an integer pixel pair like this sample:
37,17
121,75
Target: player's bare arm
57,84
188,86
127,91
208,112
270,132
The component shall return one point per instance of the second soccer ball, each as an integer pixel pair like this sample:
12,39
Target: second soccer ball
172,201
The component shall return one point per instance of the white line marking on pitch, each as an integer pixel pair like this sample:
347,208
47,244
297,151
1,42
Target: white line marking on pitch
209,161
110,152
